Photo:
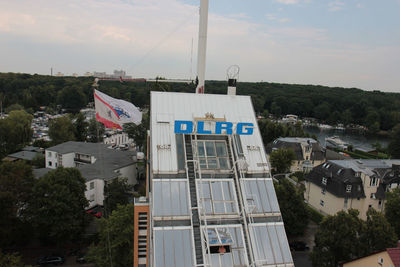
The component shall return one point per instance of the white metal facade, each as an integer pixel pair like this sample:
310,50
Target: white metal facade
211,215
168,107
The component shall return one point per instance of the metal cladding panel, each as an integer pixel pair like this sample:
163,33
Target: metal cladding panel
167,107
270,244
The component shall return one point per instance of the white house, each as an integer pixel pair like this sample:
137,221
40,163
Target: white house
97,164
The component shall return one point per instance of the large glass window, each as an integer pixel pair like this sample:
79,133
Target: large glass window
170,198
270,243
213,154
217,197
173,247
259,195
226,246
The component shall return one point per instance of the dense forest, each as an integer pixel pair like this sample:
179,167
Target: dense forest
376,110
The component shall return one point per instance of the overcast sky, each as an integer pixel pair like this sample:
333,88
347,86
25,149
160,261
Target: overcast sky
349,43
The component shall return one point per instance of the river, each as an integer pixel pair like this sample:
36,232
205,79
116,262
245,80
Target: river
356,138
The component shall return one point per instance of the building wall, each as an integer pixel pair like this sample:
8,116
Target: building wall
118,139
140,232
51,159
372,261
297,165
333,204
68,160
95,192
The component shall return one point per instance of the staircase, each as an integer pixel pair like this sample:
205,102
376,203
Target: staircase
193,201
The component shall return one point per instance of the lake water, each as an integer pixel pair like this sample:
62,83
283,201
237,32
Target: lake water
354,137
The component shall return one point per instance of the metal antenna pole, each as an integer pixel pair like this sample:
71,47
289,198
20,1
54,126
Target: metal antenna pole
202,46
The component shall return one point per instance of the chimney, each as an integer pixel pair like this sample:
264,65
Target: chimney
233,74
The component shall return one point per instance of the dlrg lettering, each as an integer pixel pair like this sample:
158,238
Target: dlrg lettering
187,127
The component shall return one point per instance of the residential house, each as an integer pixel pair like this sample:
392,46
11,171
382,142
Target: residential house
97,163
389,257
308,152
358,184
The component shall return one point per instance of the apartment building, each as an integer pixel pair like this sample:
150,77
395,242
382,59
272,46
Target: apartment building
308,152
97,163
351,184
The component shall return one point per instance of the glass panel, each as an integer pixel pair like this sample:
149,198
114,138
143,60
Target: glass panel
158,202
221,149
272,196
175,198
216,191
284,244
173,248
262,190
200,146
210,148
212,163
169,244
223,163
219,207
206,190
166,198
184,208
275,244
170,198
159,248
203,164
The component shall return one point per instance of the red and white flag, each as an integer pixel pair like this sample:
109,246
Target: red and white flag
113,113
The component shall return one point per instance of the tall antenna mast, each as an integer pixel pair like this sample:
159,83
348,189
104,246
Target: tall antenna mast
202,46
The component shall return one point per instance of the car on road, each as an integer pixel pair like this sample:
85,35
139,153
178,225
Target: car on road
51,260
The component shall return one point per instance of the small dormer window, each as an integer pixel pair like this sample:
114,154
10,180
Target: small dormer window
339,171
324,180
348,188
323,165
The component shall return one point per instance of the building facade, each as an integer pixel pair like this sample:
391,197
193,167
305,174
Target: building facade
211,195
351,184
308,152
389,257
97,163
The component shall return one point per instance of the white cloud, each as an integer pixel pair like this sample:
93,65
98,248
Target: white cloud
288,2
336,5
273,17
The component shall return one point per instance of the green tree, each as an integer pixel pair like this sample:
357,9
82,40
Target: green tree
138,132
115,239
95,131
15,131
392,209
117,192
394,145
14,107
379,234
292,206
281,159
16,183
57,208
11,260
80,126
61,130
338,239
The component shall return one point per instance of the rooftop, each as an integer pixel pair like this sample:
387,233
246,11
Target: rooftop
107,160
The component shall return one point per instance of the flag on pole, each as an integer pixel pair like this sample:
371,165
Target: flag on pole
113,113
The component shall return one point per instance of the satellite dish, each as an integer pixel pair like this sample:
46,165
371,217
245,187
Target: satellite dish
233,72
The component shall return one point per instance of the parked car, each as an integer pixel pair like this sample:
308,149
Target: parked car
298,246
51,260
81,258
94,213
